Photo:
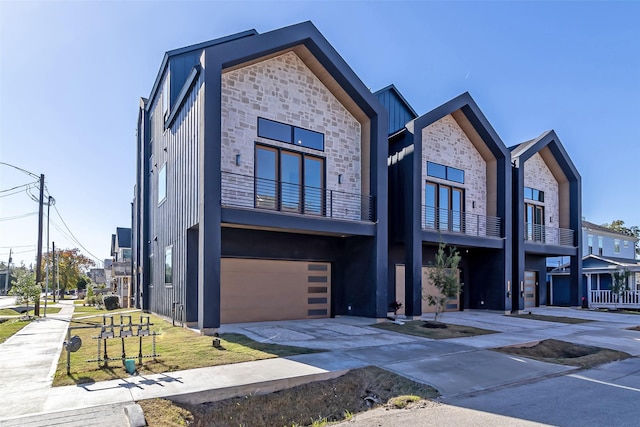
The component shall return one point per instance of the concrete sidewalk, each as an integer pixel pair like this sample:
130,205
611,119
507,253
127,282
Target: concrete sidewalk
454,366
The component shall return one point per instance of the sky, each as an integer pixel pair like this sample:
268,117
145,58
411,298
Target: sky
72,74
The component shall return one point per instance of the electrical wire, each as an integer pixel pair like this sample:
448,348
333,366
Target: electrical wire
20,169
74,237
18,186
9,218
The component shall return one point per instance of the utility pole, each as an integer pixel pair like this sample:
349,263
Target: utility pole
46,292
39,256
58,272
6,278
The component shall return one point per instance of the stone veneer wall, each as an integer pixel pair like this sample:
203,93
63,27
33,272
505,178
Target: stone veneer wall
445,142
538,175
284,89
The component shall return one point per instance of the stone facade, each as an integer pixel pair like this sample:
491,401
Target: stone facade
444,142
537,175
284,89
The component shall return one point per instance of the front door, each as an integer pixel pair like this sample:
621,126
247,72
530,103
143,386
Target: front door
530,285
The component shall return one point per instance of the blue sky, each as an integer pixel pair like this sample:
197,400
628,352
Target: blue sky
72,73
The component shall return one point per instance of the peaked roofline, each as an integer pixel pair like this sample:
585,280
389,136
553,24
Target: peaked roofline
596,227
465,103
393,88
549,139
198,46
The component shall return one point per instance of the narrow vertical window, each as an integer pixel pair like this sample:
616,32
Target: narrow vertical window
165,97
162,183
168,265
313,185
600,249
266,178
290,181
590,243
616,246
430,205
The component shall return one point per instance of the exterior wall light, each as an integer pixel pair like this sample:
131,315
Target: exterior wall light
238,159
339,178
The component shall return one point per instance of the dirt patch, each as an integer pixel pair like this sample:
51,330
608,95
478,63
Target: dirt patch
324,401
164,413
428,329
556,319
565,353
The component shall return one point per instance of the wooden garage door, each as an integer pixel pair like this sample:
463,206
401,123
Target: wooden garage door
427,289
259,290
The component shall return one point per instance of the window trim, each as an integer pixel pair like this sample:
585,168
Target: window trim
168,251
278,179
162,170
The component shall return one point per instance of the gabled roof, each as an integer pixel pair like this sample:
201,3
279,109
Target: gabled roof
595,227
466,104
399,110
522,152
592,261
192,48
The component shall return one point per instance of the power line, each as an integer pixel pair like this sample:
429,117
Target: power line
9,218
74,237
17,246
21,170
16,187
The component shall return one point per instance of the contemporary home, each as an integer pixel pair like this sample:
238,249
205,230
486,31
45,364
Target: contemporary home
605,254
449,181
546,221
261,190
121,265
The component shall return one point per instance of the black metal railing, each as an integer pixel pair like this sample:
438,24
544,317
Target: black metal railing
460,222
245,191
550,235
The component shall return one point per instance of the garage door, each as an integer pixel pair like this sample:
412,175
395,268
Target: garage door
427,289
259,290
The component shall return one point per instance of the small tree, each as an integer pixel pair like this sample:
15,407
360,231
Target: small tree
444,277
25,288
620,284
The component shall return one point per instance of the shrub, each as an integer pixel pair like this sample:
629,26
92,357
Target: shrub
110,301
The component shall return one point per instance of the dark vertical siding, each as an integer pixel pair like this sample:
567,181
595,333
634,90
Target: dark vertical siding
399,114
178,147
180,67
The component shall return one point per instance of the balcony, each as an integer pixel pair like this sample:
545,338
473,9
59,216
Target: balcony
537,233
249,192
460,222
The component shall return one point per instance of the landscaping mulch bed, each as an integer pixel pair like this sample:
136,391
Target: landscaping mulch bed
318,402
556,319
565,353
433,330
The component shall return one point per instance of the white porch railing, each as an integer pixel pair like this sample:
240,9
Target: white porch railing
607,299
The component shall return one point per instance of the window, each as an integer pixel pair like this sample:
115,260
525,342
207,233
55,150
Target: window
600,245
533,194
590,243
444,207
162,183
625,243
616,246
445,172
151,270
168,263
534,221
290,134
289,181
165,97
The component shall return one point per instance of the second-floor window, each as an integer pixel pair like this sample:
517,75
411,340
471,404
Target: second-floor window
534,221
590,243
616,246
600,245
533,194
444,207
449,173
162,183
289,181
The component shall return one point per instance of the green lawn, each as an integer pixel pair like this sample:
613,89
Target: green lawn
10,327
416,328
179,348
11,312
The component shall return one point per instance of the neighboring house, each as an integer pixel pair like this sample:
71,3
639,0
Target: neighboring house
546,222
121,265
261,189
449,181
605,253
97,276
5,282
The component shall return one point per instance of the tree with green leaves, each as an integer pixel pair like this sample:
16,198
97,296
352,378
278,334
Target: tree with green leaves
620,284
71,265
444,276
24,287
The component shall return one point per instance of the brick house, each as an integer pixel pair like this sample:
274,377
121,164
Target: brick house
261,189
